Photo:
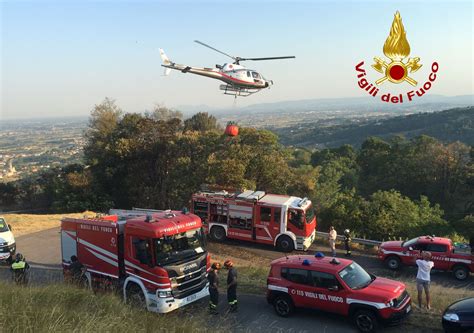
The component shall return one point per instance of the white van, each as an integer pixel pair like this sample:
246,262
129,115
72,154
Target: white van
7,242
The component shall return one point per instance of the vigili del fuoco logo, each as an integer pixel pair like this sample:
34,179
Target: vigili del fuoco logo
396,70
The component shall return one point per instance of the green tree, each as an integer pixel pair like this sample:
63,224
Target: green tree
161,112
201,122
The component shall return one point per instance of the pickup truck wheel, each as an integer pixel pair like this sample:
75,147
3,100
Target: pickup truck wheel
135,296
283,305
285,244
460,272
366,321
393,262
218,233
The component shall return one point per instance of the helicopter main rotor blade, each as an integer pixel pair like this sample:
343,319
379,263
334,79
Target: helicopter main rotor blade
212,48
268,58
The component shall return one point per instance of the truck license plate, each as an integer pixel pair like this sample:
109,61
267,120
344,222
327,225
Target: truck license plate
191,298
408,308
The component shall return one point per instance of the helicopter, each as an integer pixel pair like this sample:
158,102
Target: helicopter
239,81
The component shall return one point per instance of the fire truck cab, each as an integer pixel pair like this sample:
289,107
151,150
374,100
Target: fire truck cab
157,258
283,221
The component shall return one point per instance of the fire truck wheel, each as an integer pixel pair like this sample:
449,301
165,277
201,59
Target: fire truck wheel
365,320
460,272
393,262
283,305
285,244
135,296
218,233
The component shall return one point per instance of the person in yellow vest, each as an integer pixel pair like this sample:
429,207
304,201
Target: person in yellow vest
20,270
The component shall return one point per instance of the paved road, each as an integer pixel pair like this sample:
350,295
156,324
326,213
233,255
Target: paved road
41,248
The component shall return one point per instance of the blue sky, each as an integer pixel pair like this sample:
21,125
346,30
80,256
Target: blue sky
61,58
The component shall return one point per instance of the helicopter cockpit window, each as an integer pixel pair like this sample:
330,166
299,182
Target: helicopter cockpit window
255,75
248,73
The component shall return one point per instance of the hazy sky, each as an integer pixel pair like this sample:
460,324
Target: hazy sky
62,57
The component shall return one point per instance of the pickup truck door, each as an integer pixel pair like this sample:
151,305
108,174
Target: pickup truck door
440,255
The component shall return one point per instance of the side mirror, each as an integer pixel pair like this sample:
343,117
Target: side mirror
333,288
10,227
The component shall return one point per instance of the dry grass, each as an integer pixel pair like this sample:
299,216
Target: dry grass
63,308
23,224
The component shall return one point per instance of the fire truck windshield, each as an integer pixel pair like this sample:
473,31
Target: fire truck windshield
309,214
178,247
355,276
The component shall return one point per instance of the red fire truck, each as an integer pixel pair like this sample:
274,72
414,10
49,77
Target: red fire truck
445,255
157,258
283,221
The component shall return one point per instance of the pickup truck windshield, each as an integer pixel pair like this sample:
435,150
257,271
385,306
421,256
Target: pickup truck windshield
3,225
410,242
170,249
355,276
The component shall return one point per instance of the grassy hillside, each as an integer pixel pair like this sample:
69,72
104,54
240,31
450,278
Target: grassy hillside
62,308
448,126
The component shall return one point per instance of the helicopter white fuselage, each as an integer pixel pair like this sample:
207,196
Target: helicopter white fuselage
234,75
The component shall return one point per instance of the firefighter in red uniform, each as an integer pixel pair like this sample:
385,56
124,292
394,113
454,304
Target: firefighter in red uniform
213,287
231,285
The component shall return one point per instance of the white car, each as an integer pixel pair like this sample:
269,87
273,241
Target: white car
7,242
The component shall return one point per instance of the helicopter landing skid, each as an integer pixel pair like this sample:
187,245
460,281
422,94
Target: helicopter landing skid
237,91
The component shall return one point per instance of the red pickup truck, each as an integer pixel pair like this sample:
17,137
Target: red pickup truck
445,255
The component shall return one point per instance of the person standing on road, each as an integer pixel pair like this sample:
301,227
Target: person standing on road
19,269
213,279
347,242
332,236
423,278
231,285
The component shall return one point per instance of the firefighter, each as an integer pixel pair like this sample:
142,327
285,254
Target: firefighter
19,269
231,285
213,279
77,270
347,242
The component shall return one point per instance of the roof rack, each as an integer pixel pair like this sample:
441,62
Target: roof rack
135,212
251,195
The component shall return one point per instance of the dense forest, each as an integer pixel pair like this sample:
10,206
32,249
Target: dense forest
383,189
446,126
